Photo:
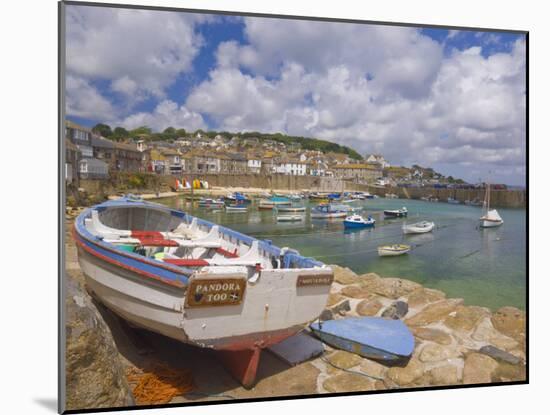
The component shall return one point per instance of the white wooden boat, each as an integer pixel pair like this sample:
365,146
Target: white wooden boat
391,196
236,209
290,218
197,282
490,217
393,250
291,208
419,227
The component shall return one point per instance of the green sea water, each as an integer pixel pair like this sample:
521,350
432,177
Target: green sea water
486,267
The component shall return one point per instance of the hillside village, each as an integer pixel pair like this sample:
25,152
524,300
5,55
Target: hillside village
89,155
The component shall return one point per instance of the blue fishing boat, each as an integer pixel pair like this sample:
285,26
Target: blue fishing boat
237,198
358,221
371,337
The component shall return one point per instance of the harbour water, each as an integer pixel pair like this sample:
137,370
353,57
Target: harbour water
486,267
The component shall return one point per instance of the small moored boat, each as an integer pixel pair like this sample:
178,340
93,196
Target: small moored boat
393,250
291,208
453,201
490,218
211,203
357,221
236,208
419,227
290,218
327,211
396,213
237,197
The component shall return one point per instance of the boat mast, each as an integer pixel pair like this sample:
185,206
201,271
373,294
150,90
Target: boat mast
488,196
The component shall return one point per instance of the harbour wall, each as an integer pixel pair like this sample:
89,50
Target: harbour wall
499,198
147,182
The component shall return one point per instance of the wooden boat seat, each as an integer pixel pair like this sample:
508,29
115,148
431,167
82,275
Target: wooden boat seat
226,253
251,258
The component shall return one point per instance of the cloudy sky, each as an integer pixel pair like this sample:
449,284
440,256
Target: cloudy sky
452,100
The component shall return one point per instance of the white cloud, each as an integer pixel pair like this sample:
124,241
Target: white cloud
84,100
138,51
166,114
416,106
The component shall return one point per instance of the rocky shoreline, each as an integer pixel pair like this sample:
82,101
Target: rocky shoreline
454,345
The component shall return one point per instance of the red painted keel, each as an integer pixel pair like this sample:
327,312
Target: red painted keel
242,364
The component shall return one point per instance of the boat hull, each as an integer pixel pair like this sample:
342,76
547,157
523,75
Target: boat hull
291,209
387,252
412,229
290,218
484,223
161,309
328,215
390,214
356,225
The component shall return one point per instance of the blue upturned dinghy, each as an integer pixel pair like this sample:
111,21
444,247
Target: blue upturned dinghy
371,337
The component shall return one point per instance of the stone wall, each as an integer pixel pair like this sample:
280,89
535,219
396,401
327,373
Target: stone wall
148,182
499,198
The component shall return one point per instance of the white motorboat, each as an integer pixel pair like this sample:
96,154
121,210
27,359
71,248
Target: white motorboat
419,227
393,250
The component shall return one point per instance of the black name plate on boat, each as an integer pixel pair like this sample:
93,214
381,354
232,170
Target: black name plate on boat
215,292
316,279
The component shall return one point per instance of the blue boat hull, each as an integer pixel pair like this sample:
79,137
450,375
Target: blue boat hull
371,337
356,225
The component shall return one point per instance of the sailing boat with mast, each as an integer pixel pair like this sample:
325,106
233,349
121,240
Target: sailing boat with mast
490,217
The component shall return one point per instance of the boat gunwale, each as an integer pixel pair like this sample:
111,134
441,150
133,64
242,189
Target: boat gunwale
80,231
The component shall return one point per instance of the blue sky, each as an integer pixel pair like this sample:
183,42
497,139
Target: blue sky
454,100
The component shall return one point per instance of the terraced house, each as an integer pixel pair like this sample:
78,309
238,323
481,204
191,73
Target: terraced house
367,172
233,163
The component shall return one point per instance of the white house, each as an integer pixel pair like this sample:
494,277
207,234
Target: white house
293,168
90,168
254,165
378,158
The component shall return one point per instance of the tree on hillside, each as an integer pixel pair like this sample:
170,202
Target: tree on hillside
169,130
141,130
180,132
102,129
120,133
